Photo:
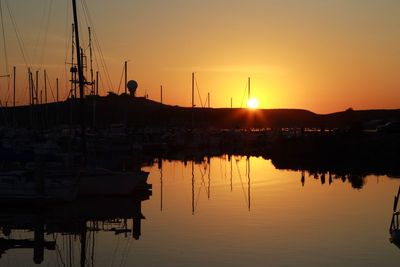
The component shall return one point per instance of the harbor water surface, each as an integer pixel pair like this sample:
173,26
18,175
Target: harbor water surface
238,211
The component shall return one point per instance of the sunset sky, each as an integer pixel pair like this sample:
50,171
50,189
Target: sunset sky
323,56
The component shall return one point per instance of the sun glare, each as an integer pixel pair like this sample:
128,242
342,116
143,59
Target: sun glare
252,103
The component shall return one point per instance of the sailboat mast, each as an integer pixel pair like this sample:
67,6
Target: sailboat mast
45,86
14,78
91,61
97,83
73,73
80,78
14,73
37,87
161,94
192,89
57,89
248,88
126,77
192,99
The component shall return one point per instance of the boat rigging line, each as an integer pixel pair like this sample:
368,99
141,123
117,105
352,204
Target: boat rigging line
198,92
244,94
203,183
46,31
120,80
97,45
7,75
51,88
67,42
246,197
21,44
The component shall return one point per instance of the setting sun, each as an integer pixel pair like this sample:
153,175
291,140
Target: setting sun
252,103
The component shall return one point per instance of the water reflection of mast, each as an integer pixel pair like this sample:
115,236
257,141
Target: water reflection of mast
248,181
161,183
209,179
193,187
230,160
83,245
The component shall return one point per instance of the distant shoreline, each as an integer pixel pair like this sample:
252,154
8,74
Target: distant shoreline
140,112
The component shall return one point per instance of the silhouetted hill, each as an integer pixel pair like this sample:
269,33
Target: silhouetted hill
141,112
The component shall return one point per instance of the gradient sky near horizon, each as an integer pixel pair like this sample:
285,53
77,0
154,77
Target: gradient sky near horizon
323,56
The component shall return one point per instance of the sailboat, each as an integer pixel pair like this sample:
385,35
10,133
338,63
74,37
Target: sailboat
56,182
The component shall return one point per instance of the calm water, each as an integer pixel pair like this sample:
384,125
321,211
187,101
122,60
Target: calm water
217,213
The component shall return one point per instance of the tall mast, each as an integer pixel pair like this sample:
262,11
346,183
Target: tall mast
37,87
80,78
192,90
45,87
126,77
97,83
30,86
30,96
249,88
161,94
73,78
57,89
192,98
15,72
91,61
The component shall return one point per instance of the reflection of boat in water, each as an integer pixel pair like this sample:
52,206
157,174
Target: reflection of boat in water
99,181
26,186
53,186
83,216
394,229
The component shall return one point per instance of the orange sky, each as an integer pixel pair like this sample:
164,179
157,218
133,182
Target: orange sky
324,56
